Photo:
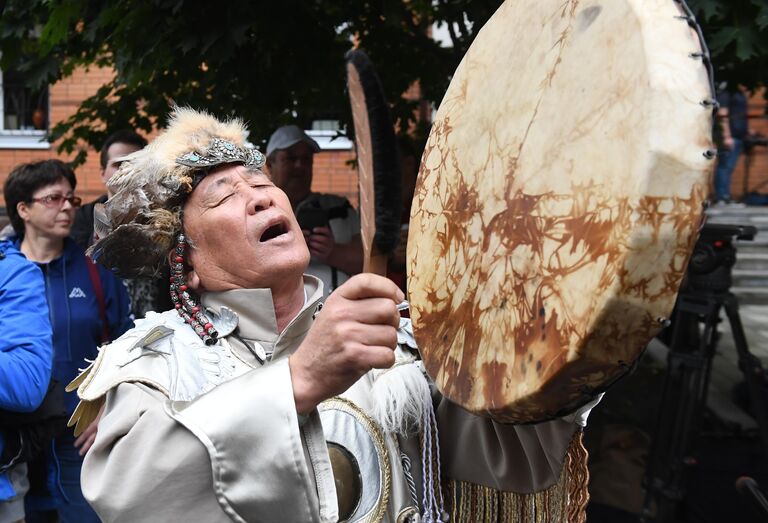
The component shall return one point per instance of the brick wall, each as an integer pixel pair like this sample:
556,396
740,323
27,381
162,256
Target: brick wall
758,161
333,174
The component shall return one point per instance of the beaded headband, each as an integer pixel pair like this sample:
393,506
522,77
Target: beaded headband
220,152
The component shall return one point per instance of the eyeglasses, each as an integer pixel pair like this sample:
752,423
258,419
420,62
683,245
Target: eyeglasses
57,200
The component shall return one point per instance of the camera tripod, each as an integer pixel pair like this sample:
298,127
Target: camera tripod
692,339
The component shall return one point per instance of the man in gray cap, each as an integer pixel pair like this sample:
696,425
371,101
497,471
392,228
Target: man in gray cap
331,226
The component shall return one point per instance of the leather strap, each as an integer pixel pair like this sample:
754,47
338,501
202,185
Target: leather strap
93,272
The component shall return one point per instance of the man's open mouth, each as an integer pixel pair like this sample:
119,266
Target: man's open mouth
273,231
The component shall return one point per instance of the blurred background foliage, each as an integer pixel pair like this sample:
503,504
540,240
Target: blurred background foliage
278,62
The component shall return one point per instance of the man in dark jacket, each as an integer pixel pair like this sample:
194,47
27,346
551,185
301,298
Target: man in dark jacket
117,145
25,368
147,294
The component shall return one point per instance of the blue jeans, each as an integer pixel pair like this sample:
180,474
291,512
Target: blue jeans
64,481
726,163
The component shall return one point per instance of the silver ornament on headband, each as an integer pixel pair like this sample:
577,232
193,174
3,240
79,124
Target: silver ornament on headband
219,152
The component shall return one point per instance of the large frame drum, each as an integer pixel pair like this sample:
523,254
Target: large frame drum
558,200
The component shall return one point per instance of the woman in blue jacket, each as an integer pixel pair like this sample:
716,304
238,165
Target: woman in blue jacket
88,307
25,365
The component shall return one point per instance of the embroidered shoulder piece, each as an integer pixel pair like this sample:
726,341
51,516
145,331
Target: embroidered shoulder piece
161,352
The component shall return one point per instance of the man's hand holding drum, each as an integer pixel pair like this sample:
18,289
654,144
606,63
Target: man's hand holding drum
355,332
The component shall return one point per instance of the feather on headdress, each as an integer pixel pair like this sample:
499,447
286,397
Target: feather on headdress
137,226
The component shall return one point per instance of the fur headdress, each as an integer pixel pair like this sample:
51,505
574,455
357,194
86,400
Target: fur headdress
137,227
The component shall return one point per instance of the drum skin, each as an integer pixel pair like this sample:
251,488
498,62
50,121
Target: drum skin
558,200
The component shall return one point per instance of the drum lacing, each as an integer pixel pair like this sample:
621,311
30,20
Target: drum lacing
704,55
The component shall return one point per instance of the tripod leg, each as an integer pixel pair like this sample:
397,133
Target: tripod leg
708,345
684,389
750,366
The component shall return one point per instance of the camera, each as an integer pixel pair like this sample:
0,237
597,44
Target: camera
714,255
311,217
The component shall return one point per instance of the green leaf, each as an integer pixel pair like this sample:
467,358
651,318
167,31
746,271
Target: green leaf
709,9
722,39
58,25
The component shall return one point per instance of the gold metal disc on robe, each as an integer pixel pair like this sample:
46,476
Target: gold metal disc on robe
359,459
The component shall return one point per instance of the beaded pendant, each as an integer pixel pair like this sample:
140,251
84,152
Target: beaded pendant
185,304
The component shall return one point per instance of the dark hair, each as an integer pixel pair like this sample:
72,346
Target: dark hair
27,178
122,136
